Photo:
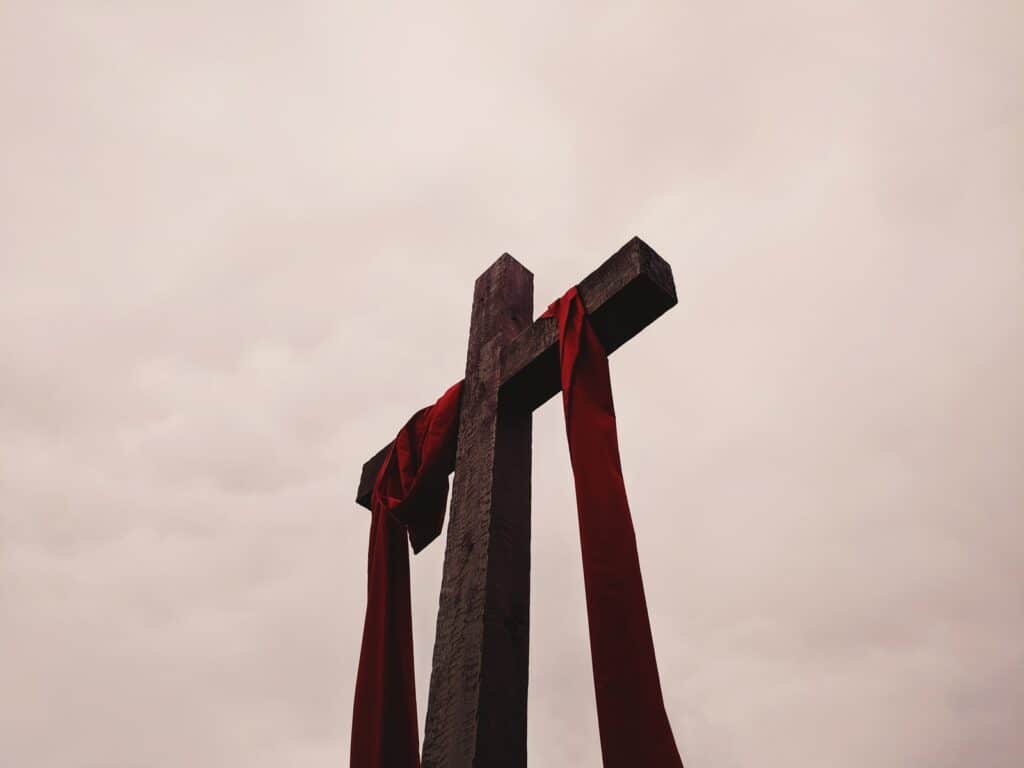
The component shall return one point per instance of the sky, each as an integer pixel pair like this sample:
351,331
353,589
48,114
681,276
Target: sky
237,250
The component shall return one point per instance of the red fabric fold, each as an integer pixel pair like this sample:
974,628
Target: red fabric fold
408,503
633,724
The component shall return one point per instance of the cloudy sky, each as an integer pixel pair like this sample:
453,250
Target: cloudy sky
237,249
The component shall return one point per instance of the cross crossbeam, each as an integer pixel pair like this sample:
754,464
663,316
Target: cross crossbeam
631,290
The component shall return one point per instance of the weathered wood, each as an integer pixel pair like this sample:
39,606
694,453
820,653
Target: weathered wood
623,296
369,476
476,713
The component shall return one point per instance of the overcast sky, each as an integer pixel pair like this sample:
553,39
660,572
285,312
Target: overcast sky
238,243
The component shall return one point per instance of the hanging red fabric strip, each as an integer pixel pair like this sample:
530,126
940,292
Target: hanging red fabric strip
634,727
408,504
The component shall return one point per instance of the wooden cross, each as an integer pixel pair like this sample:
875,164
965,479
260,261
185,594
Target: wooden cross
476,711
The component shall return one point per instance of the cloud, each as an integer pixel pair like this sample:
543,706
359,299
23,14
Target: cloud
238,250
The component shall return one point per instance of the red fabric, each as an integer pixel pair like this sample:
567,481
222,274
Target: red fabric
408,503
634,727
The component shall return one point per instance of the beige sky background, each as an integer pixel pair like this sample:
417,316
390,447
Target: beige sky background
237,250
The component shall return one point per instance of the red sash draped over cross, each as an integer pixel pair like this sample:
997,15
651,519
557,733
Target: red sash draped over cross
408,501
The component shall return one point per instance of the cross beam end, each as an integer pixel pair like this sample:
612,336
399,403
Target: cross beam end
369,476
631,290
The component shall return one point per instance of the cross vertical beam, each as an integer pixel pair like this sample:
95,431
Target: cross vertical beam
476,715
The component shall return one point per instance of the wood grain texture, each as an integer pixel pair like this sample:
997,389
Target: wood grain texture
476,713
624,295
